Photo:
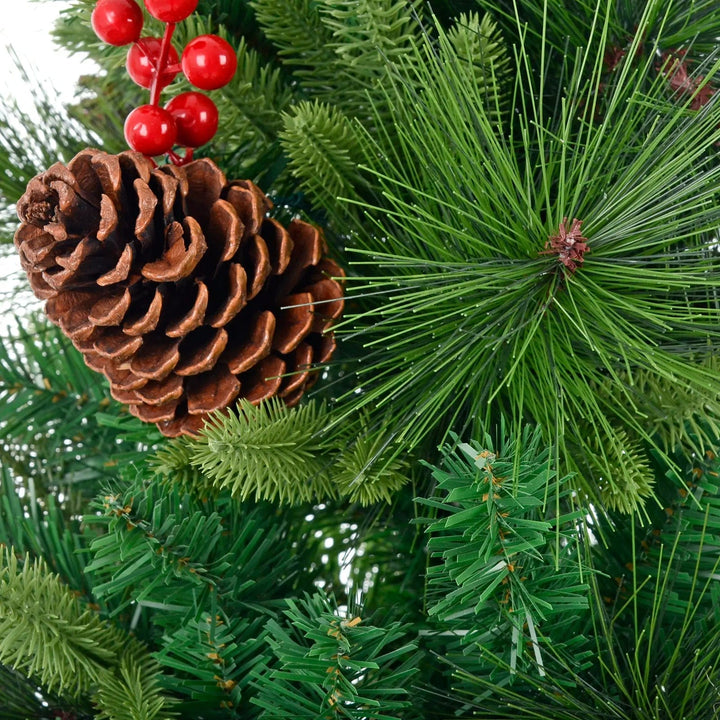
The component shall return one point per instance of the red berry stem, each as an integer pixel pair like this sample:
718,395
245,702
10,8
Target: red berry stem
161,64
176,159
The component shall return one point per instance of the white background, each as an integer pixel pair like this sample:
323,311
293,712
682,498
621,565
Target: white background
25,32
26,27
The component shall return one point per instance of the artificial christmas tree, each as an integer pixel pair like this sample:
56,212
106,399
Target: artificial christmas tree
500,499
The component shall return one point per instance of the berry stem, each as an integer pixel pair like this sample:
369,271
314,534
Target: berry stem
161,64
180,159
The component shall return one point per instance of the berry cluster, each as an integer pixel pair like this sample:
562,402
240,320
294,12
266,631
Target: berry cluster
190,119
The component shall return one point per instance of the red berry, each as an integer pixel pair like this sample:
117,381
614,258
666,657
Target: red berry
117,22
209,62
150,130
170,11
196,118
142,59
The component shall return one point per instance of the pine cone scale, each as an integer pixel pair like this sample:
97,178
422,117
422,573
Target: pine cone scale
212,389
122,268
194,317
255,343
224,233
147,321
162,392
263,380
294,323
178,261
110,310
235,297
114,345
203,350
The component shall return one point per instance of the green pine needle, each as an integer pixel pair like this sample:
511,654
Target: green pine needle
132,693
46,635
323,151
477,41
367,472
67,648
622,473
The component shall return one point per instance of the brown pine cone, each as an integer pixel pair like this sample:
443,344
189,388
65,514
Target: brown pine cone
176,285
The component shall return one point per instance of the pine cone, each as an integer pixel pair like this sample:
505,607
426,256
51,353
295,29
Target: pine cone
176,285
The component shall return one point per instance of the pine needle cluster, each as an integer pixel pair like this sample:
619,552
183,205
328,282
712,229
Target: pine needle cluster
469,302
335,667
511,568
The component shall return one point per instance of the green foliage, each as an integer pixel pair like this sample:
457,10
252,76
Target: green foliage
512,579
335,667
367,472
283,455
50,407
212,659
265,452
168,551
302,39
39,530
678,24
679,416
323,151
47,636
132,692
649,647
477,41
569,563
620,469
462,308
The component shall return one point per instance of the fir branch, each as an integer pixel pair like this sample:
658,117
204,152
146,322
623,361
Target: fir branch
172,464
302,40
323,152
168,552
38,529
212,659
478,42
132,692
266,452
271,452
50,402
366,34
333,667
512,574
679,416
651,643
620,469
367,472
68,649
47,636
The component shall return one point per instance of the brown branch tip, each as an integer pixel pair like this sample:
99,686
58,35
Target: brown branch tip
569,245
